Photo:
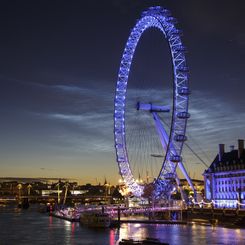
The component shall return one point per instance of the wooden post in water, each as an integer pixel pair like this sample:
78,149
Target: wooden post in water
118,215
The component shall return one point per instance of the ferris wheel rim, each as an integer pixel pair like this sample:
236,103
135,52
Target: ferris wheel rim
159,18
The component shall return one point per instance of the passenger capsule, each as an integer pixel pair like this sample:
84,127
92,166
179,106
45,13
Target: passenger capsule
171,20
183,115
169,176
180,137
183,69
184,91
175,158
180,49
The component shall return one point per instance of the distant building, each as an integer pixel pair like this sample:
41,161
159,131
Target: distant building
198,185
225,178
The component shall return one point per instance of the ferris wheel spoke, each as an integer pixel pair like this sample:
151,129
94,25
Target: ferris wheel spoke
174,157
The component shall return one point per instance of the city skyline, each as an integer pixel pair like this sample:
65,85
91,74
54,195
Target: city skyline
58,73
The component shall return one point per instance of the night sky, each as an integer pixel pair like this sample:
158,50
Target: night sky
58,69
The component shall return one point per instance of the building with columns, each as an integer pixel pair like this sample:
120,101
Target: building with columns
224,180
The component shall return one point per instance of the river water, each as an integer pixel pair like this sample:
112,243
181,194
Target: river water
31,227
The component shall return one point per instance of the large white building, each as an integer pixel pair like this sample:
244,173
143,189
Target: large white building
224,180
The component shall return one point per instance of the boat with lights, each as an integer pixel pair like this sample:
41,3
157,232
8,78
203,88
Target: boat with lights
67,214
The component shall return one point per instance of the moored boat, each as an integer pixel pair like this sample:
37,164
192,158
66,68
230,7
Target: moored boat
95,219
67,214
147,241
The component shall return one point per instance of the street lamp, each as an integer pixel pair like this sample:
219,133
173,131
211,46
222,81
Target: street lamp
19,186
58,185
29,189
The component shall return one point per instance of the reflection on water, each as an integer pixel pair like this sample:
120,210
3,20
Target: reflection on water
112,237
30,227
184,234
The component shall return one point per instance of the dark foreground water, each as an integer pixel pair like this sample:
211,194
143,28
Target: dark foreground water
30,227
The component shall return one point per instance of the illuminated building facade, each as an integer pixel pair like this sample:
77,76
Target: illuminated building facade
225,178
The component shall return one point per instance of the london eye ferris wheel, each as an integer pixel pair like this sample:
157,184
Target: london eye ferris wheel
172,139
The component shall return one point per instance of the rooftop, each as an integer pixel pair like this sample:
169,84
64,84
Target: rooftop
229,161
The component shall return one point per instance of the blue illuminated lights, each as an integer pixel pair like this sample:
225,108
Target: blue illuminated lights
225,178
161,19
221,203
